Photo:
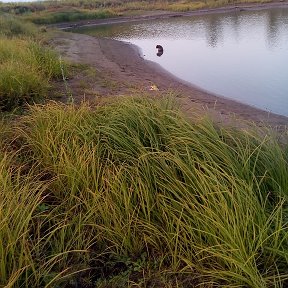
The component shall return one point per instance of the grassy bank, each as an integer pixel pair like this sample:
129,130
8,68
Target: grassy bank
49,12
132,194
27,67
69,14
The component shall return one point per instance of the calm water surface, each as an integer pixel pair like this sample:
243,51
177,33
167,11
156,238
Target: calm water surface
239,55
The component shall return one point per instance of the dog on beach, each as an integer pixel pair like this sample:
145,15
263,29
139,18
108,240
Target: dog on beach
160,50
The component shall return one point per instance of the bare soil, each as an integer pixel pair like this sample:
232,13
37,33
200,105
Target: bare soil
106,67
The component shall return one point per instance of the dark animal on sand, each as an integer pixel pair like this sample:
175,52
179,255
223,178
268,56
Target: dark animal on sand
160,50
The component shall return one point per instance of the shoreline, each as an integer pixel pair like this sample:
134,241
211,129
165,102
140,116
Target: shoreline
123,62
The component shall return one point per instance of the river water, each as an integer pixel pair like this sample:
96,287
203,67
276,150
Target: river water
242,55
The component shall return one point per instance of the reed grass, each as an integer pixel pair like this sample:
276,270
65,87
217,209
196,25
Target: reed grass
135,181
19,200
187,6
19,86
69,15
26,68
49,12
11,26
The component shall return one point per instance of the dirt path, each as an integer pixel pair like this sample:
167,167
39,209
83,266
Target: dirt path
116,68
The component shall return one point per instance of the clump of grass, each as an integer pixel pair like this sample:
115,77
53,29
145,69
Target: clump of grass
11,26
27,256
47,61
26,68
69,15
20,197
187,6
136,178
19,86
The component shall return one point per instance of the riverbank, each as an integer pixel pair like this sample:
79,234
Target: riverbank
152,15
127,70
125,67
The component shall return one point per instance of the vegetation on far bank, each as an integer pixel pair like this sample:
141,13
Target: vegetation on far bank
50,12
131,193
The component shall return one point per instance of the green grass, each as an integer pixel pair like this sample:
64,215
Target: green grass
11,27
134,192
26,69
20,197
26,66
20,84
69,15
131,194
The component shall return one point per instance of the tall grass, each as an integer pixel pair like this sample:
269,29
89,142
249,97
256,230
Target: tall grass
19,200
135,182
27,258
69,15
11,27
26,66
26,69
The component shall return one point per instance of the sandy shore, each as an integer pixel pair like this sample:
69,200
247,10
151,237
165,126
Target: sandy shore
123,64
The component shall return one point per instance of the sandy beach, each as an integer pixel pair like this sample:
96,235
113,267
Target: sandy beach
126,70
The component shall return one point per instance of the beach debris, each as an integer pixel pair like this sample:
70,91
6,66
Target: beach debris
153,88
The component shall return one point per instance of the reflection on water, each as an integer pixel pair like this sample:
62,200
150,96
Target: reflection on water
241,55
